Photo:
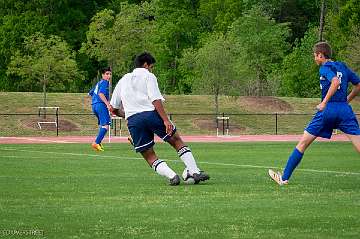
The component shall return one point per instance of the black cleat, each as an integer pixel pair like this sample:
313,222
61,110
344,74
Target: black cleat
174,181
202,176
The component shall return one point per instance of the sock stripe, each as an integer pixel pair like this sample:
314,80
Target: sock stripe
156,163
183,151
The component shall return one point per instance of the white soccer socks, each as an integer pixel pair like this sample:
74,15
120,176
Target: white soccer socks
187,157
163,169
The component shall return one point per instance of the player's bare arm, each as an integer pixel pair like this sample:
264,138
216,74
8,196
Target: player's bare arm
355,91
106,102
335,83
160,109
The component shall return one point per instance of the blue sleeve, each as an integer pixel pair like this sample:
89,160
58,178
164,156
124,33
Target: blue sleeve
91,92
353,77
103,87
327,72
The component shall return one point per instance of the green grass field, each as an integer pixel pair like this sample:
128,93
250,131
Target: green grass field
69,191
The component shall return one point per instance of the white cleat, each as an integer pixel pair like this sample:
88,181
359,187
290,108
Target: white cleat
277,177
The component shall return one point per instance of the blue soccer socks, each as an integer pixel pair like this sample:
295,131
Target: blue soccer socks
292,163
101,135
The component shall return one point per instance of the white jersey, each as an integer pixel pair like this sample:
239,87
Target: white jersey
135,92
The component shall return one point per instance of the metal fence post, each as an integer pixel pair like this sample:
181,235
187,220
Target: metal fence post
57,122
276,123
223,120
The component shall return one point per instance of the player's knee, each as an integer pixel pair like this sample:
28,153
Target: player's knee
105,127
302,145
175,140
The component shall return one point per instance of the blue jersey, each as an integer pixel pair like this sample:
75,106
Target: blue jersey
331,69
101,87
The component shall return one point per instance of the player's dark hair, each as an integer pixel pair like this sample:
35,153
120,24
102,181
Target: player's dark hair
324,48
143,58
105,69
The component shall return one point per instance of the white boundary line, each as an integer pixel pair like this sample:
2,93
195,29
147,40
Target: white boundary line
177,160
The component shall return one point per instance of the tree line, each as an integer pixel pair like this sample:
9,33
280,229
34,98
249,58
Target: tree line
232,47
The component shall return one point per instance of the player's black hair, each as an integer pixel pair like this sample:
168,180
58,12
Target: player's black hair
324,48
143,58
105,69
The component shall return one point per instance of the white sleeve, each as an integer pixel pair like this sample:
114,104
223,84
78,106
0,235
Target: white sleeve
115,101
153,88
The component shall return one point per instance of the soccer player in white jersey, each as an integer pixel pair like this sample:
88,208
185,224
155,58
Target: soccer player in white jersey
137,98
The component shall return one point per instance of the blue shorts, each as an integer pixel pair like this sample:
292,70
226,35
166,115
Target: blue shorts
142,127
336,115
102,114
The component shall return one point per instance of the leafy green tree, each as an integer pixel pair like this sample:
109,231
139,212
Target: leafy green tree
46,62
12,30
176,29
298,74
218,15
342,30
213,68
116,39
261,45
67,19
353,53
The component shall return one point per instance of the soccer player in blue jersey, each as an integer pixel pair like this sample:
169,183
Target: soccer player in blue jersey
101,107
334,111
137,98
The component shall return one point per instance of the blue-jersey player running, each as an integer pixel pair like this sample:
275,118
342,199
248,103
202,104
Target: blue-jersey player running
138,98
101,107
334,111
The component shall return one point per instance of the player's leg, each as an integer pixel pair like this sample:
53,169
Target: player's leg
160,166
313,130
185,154
103,129
297,154
293,160
143,142
350,126
355,139
94,145
174,139
104,122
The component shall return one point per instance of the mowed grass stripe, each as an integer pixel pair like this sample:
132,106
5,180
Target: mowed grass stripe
175,160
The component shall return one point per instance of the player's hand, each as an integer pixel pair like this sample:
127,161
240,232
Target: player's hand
321,106
169,127
110,109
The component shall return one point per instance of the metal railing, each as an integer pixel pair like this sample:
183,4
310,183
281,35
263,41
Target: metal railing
67,124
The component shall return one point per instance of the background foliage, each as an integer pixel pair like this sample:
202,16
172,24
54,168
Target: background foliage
267,44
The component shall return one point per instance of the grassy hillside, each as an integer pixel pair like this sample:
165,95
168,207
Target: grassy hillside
248,115
27,102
